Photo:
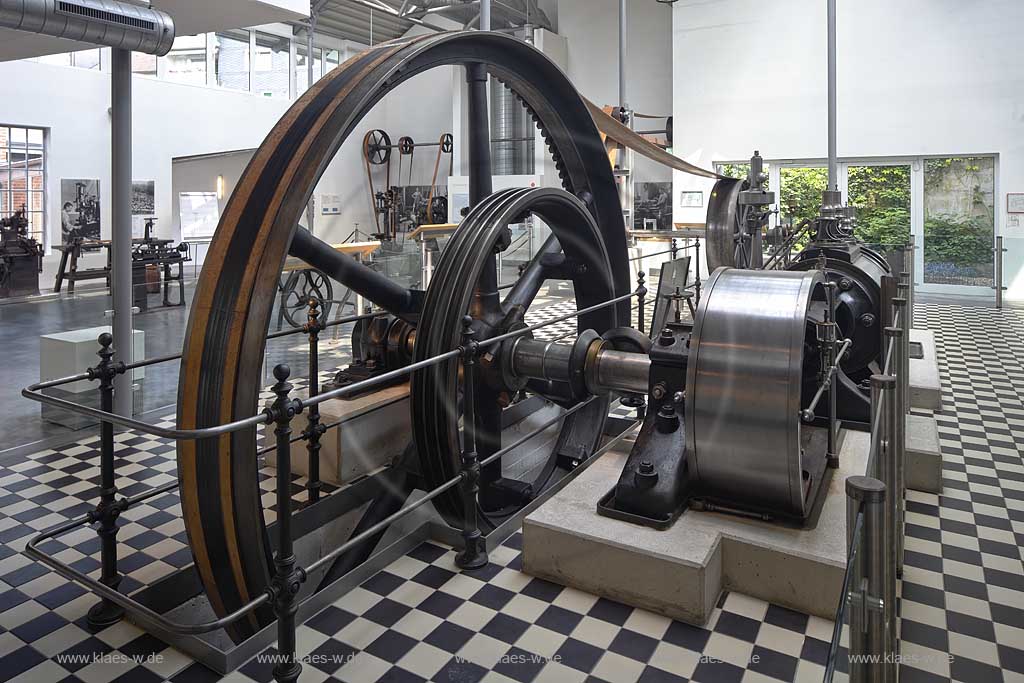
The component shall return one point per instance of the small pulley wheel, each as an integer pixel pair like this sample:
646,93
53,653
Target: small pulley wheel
447,143
406,145
377,147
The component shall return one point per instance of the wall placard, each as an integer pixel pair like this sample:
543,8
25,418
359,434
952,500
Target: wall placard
691,199
1015,202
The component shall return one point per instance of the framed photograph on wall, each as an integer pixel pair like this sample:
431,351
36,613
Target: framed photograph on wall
691,199
143,205
80,209
1015,202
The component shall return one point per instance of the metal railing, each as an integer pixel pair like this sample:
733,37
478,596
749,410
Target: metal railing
288,576
876,507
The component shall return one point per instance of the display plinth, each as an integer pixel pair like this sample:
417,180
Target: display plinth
925,387
680,572
374,430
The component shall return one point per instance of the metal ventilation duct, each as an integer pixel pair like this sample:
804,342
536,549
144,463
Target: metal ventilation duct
101,22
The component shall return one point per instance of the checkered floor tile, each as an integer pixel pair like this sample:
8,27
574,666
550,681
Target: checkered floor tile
420,619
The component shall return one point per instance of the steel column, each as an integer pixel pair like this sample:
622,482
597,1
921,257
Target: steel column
622,55
833,165
999,251
121,232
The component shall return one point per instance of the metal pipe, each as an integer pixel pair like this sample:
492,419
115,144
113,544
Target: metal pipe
485,15
309,84
121,232
897,417
144,613
622,55
833,165
115,24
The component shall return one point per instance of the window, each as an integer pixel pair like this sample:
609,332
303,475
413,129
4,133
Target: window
959,220
86,59
22,173
231,59
332,58
186,62
83,59
143,64
302,70
800,192
270,65
881,193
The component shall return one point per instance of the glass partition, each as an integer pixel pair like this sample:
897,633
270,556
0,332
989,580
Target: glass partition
302,68
186,62
959,220
270,65
231,59
800,192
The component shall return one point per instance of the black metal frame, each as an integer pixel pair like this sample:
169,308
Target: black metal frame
289,576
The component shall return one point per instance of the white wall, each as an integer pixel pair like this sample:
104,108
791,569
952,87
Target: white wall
170,120
915,77
592,30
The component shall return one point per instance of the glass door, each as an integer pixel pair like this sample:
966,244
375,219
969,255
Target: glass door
959,224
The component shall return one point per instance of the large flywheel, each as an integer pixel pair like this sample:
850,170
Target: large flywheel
455,293
220,376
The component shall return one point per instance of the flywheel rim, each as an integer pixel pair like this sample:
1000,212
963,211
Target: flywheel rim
231,313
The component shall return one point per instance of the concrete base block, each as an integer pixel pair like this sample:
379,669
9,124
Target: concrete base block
374,430
924,456
925,387
680,572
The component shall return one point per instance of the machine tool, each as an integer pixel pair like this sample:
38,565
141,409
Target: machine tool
21,258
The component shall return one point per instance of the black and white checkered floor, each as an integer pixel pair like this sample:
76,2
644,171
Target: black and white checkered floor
420,619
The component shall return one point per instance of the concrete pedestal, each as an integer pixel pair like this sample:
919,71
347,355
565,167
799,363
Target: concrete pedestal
69,353
375,429
681,571
924,456
925,387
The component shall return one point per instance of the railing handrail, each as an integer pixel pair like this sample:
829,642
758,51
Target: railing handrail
265,416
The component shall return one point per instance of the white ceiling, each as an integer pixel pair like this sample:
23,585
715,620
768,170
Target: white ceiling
190,17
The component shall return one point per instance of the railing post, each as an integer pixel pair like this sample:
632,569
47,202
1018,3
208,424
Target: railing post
106,613
288,578
902,371
696,280
998,260
314,430
868,623
641,295
474,552
899,441
888,468
908,265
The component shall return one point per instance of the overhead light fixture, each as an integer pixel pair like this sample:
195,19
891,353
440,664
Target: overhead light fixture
220,187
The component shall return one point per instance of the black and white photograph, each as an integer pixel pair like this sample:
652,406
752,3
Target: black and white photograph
652,206
79,209
143,197
143,205
414,204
